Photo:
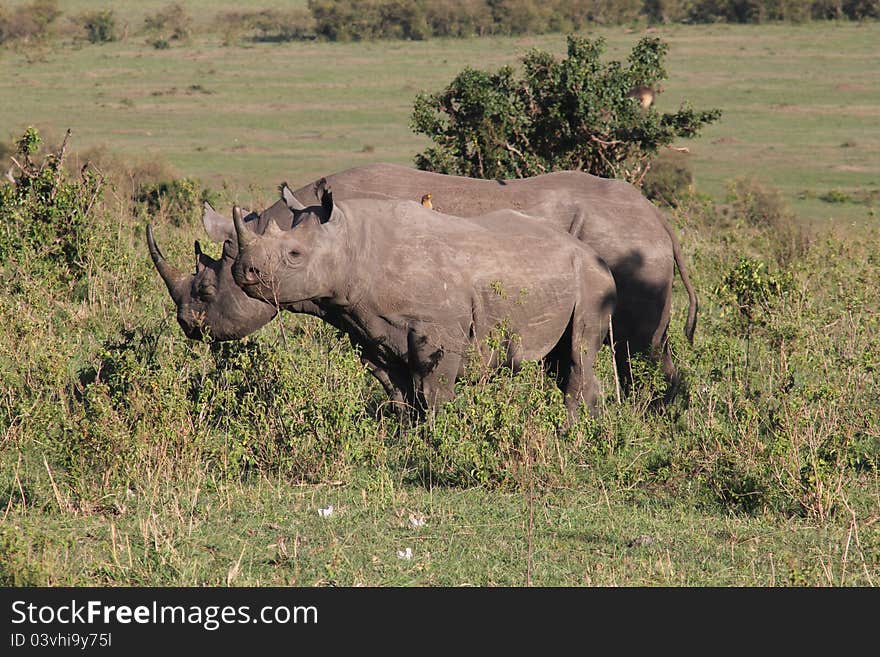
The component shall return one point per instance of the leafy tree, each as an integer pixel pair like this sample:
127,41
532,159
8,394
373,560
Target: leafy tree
574,113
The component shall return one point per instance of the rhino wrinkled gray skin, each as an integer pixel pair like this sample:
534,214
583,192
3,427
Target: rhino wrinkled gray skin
423,290
613,217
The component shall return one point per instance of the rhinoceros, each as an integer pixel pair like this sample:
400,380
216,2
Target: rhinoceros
423,291
613,217
210,304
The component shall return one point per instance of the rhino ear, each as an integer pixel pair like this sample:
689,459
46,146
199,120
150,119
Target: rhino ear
203,260
327,204
218,227
288,197
320,186
230,249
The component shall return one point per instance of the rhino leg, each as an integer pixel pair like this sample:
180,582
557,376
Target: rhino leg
397,384
573,358
640,329
438,386
382,376
433,370
579,383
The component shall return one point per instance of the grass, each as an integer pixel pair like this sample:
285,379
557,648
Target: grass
791,95
269,533
132,456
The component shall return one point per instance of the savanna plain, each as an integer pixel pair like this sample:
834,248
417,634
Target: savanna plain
130,455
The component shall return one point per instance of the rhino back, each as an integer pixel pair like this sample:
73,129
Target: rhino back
612,216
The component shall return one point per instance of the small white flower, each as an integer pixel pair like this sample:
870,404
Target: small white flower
404,554
417,519
326,513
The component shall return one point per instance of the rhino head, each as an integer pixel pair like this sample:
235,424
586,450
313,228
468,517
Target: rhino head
287,267
209,303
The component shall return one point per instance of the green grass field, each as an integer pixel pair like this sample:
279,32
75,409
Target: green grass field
132,456
800,104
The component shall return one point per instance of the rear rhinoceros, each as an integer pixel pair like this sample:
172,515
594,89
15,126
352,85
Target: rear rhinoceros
613,217
423,291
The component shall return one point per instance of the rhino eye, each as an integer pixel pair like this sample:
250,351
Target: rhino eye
293,253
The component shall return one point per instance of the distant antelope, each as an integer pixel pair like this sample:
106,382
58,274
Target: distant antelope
644,94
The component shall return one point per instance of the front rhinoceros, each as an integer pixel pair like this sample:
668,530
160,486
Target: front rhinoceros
423,290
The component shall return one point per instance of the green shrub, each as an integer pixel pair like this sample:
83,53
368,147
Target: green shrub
500,429
669,179
861,9
559,115
45,214
763,211
751,291
18,566
289,25
171,23
756,204
179,200
28,22
267,25
239,407
459,18
100,26
359,20
667,11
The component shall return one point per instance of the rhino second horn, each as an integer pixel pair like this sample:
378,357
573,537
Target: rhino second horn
273,229
175,280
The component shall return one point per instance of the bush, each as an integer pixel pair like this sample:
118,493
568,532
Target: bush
171,23
727,11
559,115
359,20
861,9
179,200
267,25
45,214
459,18
669,179
27,22
756,204
501,428
100,26
761,209
751,291
290,25
667,11
236,407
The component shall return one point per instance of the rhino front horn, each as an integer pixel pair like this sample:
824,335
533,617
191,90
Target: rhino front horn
175,280
245,237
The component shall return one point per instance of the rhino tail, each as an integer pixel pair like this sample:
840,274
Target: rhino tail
690,325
